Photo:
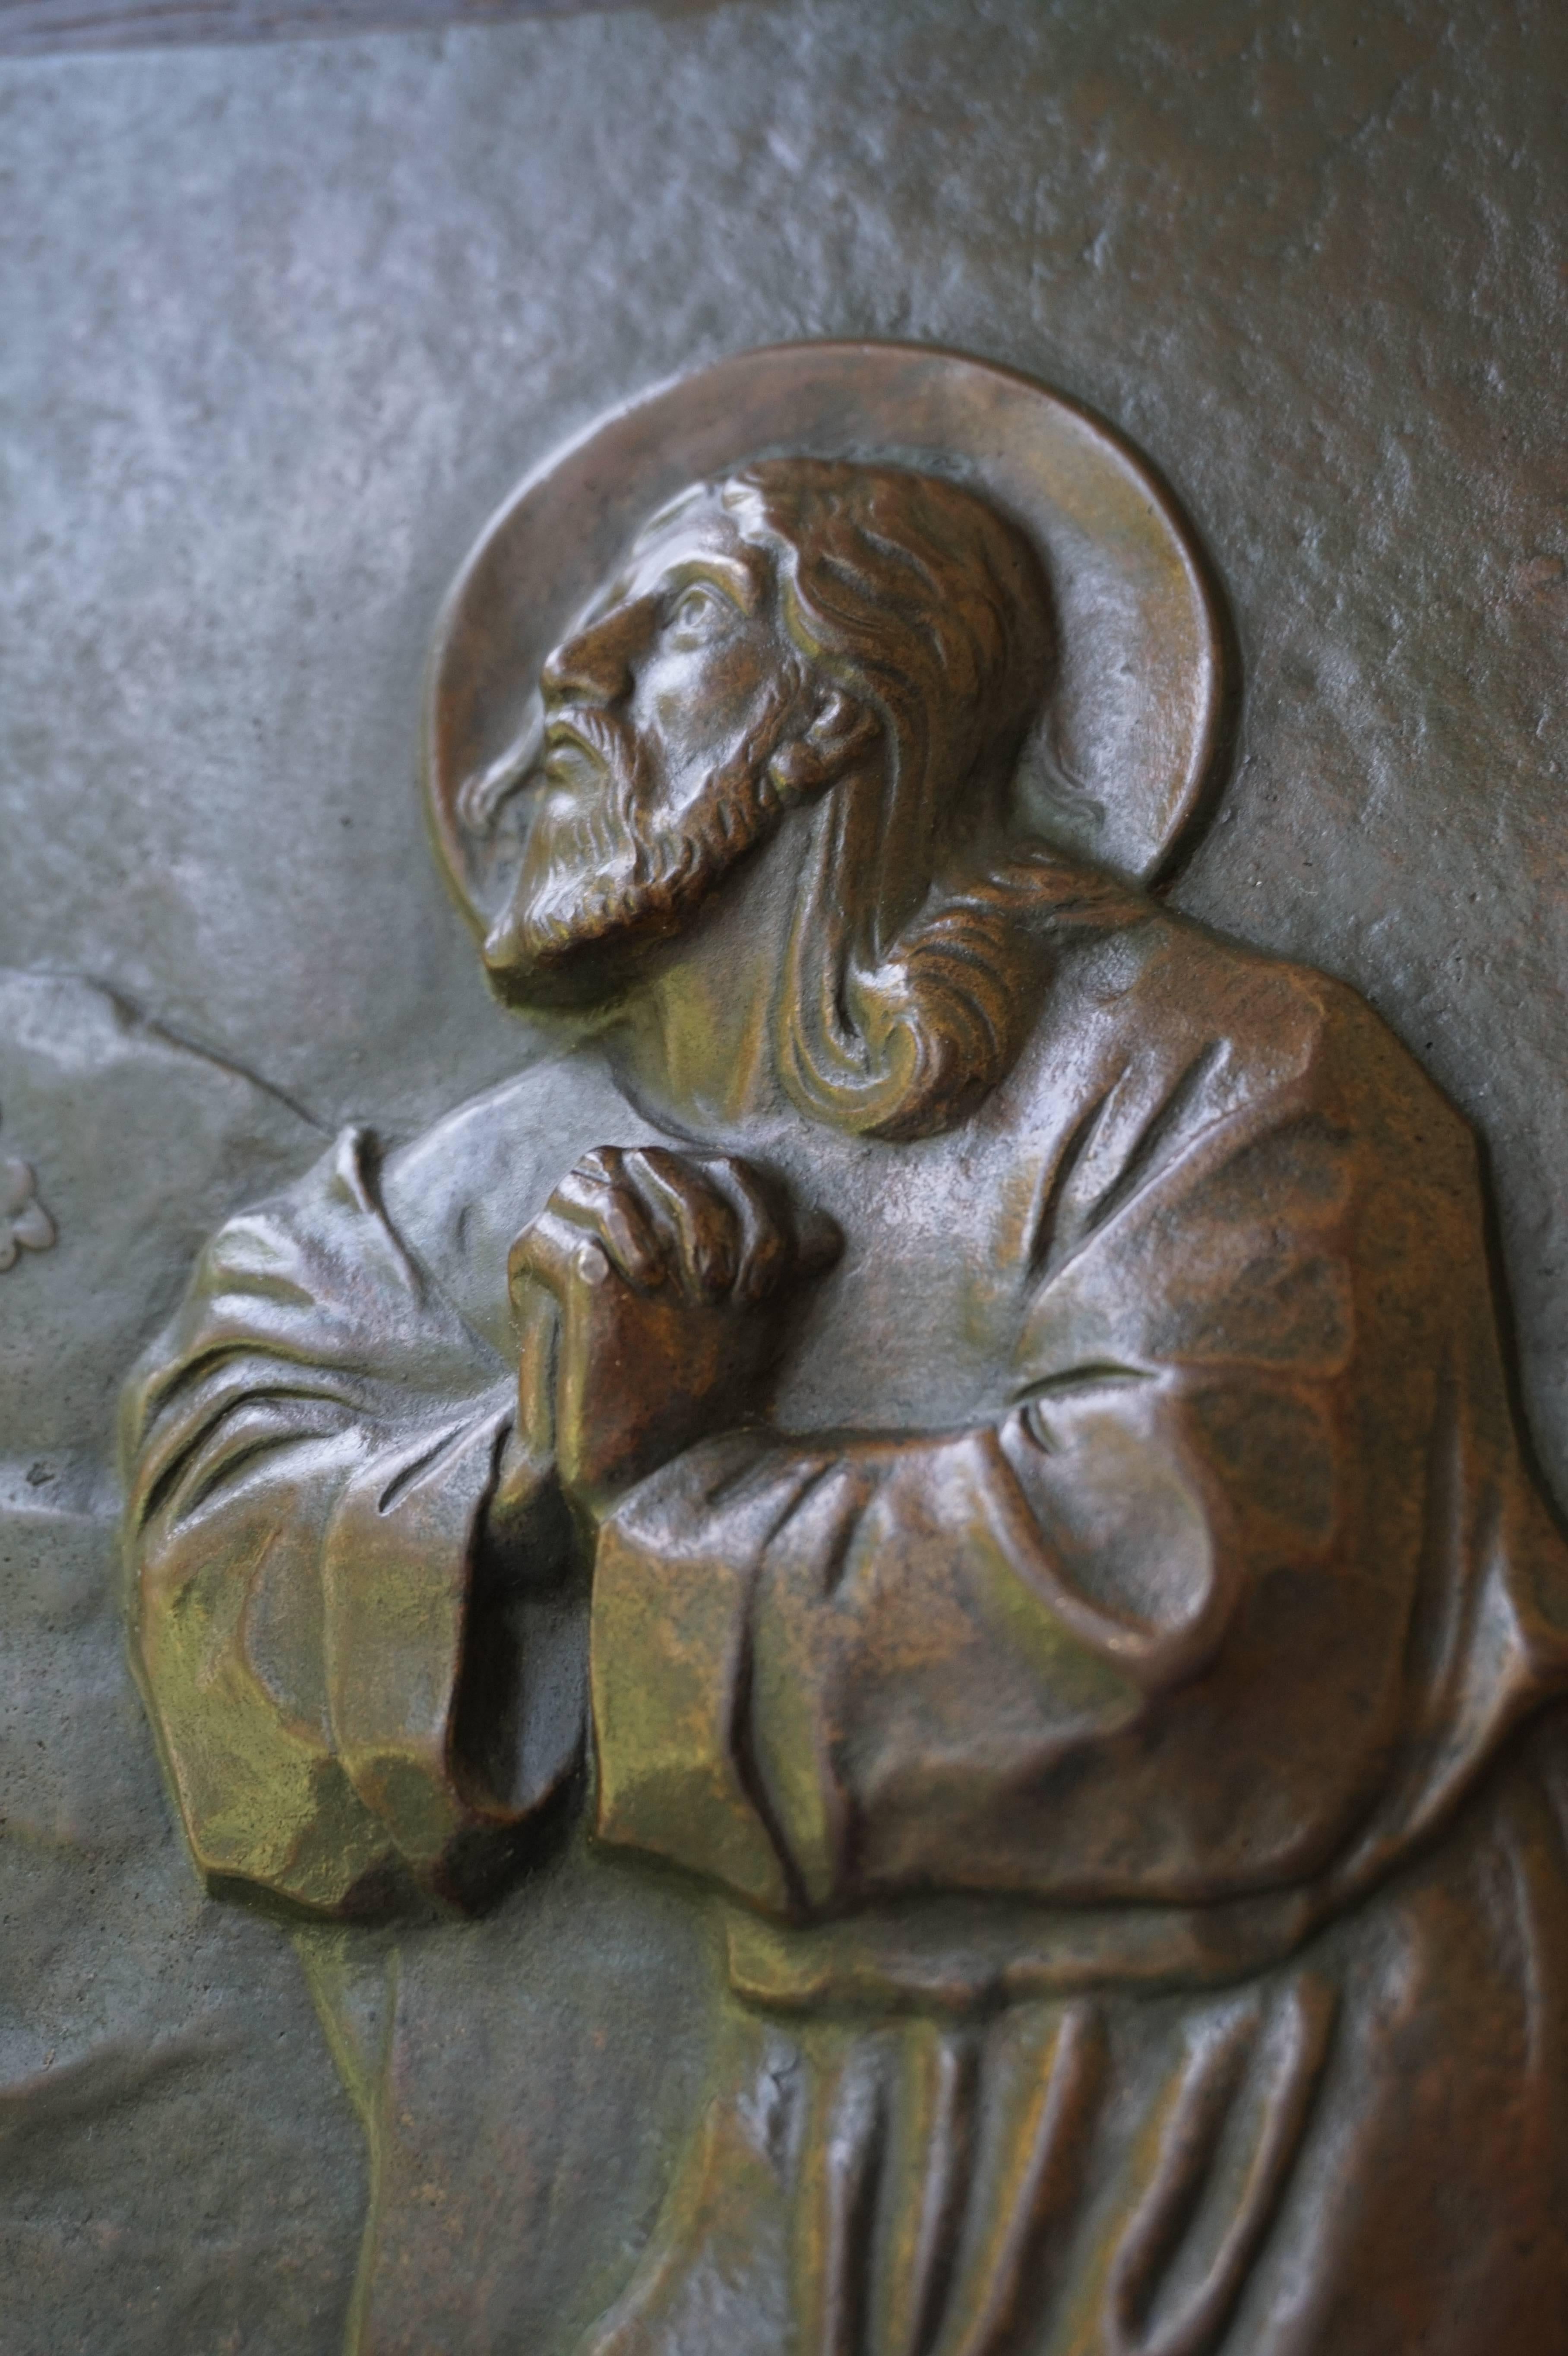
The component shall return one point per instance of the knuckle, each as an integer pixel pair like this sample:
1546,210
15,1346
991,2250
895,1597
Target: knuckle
641,1180
681,1173
601,1164
522,1246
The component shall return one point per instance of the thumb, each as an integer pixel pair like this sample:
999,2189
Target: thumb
539,1327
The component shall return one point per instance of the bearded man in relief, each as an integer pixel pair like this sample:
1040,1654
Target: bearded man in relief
962,1429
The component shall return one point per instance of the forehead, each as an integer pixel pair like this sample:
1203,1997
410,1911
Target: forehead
693,538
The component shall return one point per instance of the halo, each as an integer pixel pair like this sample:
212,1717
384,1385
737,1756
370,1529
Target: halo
1120,765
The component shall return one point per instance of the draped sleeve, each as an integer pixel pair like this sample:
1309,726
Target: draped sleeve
309,1452
1235,1593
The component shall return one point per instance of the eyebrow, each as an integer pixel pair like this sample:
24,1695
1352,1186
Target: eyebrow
738,580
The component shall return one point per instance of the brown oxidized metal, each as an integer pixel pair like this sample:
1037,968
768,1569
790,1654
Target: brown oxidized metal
961,1423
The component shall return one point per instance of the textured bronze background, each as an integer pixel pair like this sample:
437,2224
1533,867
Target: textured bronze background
39,27
289,322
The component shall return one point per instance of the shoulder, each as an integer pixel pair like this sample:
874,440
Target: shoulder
1153,1034
1166,997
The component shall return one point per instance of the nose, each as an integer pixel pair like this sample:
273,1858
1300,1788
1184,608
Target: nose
594,664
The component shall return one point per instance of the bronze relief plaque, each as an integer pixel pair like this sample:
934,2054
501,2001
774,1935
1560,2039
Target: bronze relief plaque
945,1460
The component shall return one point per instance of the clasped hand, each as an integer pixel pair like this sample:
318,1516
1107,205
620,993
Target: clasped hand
652,1295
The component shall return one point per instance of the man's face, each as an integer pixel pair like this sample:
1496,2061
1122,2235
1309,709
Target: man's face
661,712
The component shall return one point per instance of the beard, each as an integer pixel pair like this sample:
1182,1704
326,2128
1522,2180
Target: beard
600,884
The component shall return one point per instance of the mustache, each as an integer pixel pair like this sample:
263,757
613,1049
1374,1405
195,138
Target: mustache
607,741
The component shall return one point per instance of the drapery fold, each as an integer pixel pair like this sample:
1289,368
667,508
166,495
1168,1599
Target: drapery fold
1119,1792
311,1457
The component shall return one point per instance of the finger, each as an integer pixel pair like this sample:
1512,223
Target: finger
764,1227
552,1251
700,1222
593,1195
538,1343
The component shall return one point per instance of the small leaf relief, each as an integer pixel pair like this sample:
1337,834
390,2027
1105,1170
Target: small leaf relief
24,1224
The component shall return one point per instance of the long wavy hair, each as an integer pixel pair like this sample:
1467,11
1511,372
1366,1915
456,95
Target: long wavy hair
924,920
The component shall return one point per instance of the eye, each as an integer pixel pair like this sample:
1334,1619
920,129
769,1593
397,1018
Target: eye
694,612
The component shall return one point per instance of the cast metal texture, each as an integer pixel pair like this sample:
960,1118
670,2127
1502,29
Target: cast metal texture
290,322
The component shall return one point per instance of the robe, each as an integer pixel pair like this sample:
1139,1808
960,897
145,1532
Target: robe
1115,1699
